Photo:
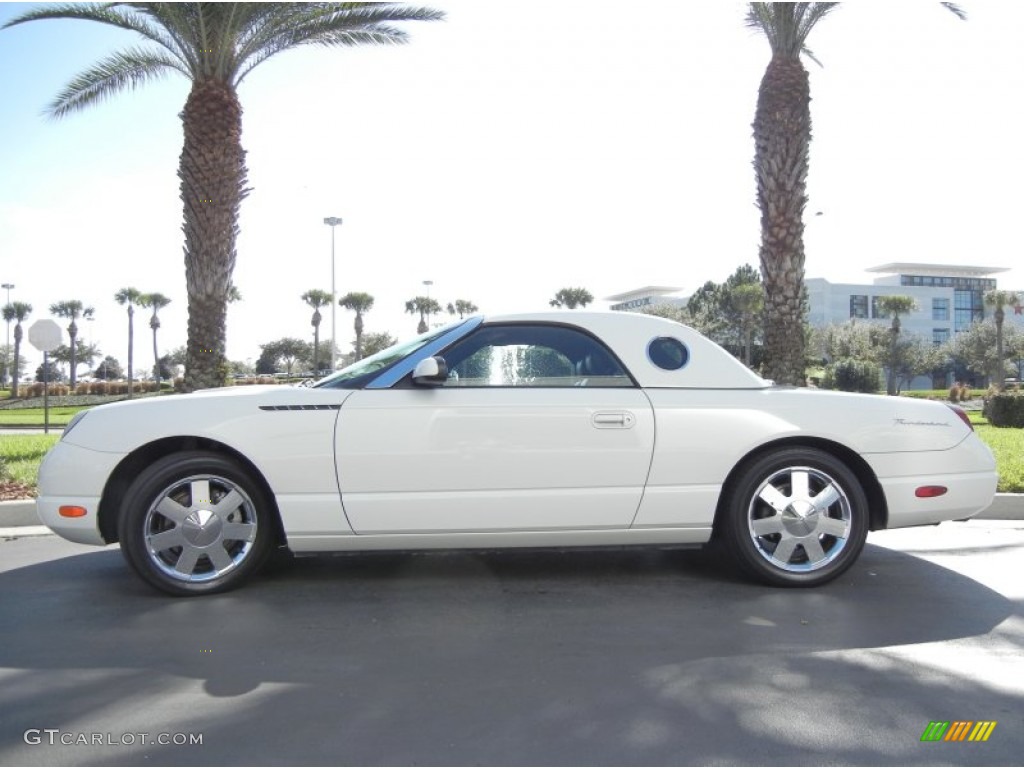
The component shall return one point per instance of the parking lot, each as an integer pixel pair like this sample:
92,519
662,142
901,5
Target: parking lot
622,657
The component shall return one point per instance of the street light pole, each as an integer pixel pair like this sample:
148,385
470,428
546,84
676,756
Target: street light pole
332,222
7,349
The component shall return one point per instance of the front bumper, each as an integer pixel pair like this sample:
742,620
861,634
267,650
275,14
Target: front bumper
74,476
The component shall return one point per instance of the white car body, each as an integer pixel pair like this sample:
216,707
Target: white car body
390,465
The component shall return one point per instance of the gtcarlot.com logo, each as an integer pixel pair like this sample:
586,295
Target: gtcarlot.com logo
55,736
958,730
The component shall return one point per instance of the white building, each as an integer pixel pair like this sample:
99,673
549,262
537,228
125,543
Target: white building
642,298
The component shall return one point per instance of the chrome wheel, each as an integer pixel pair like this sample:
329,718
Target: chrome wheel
799,519
794,517
200,528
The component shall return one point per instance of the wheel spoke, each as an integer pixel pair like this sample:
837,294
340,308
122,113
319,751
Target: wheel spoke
221,559
172,510
166,539
826,498
764,526
773,497
833,527
813,549
239,532
200,490
228,504
800,484
187,561
784,551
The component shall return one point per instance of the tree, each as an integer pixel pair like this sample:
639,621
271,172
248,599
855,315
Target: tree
72,310
130,297
17,312
156,302
462,307
84,354
377,342
287,349
572,298
999,299
976,350
894,306
782,137
747,301
425,307
53,373
359,303
108,370
316,298
214,46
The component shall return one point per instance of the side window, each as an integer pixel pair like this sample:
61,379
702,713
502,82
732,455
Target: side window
532,356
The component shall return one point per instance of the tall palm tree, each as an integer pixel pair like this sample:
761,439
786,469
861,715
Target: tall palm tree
998,300
895,306
316,299
425,306
156,302
16,312
214,46
572,298
129,297
72,310
782,137
462,307
359,303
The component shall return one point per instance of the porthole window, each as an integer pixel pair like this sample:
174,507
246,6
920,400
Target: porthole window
668,353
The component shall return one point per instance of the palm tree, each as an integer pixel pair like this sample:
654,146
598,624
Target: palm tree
129,297
316,299
998,300
462,307
782,137
425,306
214,46
72,310
572,298
156,302
359,303
895,306
16,312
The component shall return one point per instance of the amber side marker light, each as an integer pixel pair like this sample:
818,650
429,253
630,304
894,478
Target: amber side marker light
962,414
70,511
930,491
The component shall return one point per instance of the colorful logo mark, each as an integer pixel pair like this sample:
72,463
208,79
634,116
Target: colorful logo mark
958,730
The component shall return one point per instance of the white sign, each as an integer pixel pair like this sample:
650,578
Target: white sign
45,335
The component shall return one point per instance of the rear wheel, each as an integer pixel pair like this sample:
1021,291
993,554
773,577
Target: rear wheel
796,517
195,523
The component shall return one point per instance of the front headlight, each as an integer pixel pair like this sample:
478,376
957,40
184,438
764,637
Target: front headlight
71,424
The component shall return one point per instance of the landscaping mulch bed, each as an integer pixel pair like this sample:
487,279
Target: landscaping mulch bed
16,492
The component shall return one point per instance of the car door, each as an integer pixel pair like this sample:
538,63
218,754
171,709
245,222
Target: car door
537,427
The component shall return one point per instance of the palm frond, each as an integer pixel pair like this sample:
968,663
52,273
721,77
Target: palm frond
787,25
126,69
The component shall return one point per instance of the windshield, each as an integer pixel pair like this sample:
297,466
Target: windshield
359,372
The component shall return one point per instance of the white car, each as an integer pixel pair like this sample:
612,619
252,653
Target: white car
555,429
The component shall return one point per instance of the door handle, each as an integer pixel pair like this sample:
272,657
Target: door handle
613,420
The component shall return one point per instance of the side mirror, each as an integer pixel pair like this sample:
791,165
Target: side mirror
430,372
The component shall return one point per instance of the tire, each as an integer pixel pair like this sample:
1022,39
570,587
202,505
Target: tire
195,523
796,517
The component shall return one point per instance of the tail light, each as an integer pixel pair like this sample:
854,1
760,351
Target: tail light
962,414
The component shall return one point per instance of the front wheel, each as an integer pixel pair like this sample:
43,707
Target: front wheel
195,523
795,517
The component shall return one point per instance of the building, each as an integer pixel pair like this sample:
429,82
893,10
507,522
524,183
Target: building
949,298
642,298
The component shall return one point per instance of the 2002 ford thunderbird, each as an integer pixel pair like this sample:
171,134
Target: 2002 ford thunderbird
542,430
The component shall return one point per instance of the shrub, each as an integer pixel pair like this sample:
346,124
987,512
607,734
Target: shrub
853,376
1005,409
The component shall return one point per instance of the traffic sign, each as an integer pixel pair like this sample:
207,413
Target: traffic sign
45,335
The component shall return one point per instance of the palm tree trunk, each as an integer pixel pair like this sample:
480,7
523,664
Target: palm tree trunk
17,357
156,355
1000,375
213,177
73,335
359,336
131,347
782,135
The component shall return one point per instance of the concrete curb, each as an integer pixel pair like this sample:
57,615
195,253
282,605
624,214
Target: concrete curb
18,514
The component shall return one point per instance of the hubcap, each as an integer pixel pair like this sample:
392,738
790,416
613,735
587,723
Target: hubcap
200,528
799,519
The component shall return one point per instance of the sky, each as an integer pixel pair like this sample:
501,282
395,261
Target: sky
510,151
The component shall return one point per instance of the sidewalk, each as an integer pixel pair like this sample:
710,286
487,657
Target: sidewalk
21,514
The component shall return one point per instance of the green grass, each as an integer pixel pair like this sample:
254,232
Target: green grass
33,417
21,454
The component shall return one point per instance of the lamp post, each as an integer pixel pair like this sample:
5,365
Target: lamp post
332,222
7,349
